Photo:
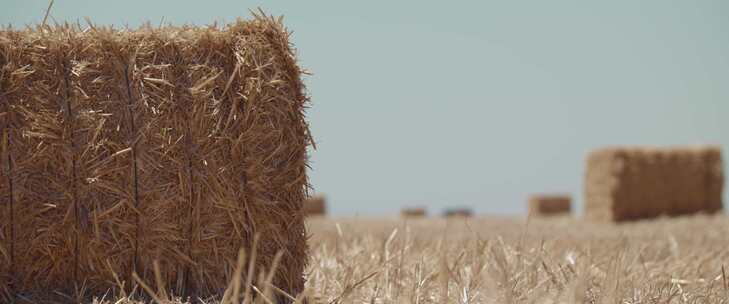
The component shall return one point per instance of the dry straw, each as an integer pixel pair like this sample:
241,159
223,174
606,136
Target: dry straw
635,183
549,204
125,147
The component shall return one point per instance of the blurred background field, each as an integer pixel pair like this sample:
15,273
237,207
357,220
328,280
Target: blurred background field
518,260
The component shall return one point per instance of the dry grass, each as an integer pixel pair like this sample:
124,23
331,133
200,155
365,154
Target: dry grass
502,260
558,260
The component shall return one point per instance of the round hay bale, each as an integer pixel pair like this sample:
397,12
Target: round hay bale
176,145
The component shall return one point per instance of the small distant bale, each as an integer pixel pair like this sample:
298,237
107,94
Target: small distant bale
458,212
550,204
414,212
637,183
315,206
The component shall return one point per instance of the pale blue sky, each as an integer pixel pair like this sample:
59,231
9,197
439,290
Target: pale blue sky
475,103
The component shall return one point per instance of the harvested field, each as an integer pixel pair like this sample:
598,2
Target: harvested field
502,260
629,183
507,260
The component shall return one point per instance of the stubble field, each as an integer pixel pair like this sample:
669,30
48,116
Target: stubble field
509,260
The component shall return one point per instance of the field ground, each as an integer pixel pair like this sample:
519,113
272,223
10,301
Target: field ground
512,260
509,260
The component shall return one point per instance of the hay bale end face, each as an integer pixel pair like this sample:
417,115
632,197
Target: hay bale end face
555,204
125,147
315,206
414,212
636,183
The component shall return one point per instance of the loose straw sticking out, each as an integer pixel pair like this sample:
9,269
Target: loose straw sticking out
48,11
232,294
183,145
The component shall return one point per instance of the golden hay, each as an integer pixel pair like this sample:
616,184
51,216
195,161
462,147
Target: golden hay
634,183
414,212
175,144
553,204
315,206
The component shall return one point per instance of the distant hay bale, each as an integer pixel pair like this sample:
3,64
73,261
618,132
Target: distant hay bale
636,183
458,212
315,206
125,147
414,212
554,204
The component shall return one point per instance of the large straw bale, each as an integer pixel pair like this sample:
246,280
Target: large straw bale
315,206
549,204
635,183
125,147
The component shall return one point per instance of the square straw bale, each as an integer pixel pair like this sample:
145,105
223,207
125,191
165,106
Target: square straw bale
124,147
628,183
414,212
549,204
315,206
458,212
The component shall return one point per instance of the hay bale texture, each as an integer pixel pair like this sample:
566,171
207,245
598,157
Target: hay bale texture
315,206
636,183
549,204
173,144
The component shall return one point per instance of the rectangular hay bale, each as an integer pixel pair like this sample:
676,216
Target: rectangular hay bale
636,183
549,204
458,212
315,206
124,147
414,212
